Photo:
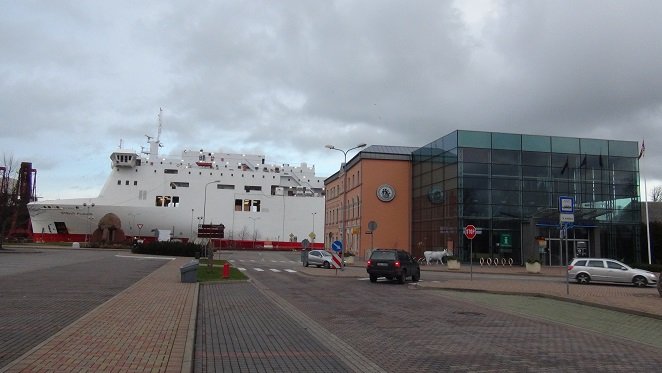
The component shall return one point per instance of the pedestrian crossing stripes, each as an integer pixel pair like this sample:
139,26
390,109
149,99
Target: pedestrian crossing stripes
256,261
275,270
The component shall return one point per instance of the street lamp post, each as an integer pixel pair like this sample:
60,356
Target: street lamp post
204,206
313,235
204,212
253,219
89,221
191,233
344,193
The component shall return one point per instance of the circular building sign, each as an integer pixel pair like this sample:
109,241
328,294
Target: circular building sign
385,193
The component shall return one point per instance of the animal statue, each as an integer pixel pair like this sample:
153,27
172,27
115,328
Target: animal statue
431,256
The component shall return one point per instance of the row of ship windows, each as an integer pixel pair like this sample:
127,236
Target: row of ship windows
250,205
174,172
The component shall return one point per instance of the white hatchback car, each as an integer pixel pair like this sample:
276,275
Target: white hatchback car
585,270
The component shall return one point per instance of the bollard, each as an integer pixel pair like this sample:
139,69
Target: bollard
226,270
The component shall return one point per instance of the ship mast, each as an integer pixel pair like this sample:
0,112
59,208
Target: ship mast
155,144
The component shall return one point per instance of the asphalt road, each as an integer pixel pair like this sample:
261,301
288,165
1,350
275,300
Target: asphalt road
361,326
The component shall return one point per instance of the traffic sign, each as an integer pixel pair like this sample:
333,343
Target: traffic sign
140,226
566,204
336,262
470,231
336,246
566,218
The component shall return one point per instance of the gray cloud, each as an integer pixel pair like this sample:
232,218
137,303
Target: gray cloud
285,78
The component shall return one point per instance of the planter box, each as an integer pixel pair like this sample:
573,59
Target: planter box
533,267
349,259
453,264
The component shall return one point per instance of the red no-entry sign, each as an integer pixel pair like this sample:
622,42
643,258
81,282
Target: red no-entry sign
470,231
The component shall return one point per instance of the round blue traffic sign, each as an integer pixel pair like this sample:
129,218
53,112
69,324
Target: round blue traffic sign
336,246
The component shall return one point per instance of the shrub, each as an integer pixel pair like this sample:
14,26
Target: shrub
648,267
169,248
533,260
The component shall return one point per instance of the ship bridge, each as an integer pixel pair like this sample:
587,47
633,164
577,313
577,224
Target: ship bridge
125,158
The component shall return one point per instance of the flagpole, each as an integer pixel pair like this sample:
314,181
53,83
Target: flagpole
648,230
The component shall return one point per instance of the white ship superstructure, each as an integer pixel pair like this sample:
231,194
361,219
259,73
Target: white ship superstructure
253,199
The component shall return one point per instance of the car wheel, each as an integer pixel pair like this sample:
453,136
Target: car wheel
639,281
402,277
373,278
416,277
583,278
327,265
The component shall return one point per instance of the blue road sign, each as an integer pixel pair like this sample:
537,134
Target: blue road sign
336,246
566,204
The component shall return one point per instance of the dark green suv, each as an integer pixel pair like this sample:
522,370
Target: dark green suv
392,264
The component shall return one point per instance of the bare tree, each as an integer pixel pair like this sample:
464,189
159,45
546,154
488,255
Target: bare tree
7,193
241,235
656,194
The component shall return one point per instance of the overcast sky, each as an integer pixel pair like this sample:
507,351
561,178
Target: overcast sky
283,78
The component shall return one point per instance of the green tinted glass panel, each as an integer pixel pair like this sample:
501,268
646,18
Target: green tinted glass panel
507,141
449,141
623,148
565,145
536,143
535,158
593,146
474,139
508,157
475,155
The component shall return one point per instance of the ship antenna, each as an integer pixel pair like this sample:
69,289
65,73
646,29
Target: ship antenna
155,144
158,135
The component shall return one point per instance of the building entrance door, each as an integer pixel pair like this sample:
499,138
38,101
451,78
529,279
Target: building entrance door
578,246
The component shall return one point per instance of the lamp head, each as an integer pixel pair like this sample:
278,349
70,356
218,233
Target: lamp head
329,146
361,145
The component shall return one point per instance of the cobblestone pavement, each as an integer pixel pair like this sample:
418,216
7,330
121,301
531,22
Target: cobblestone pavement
145,328
311,319
241,330
390,327
551,283
35,304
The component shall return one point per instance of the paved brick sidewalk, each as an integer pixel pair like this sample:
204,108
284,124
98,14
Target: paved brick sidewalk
149,327
624,298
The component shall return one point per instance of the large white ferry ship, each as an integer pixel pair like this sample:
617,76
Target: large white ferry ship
148,196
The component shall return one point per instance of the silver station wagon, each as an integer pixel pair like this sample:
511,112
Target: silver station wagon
585,270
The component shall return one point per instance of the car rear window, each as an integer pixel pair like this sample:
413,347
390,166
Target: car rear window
383,255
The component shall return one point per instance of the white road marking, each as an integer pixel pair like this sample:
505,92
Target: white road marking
259,269
290,271
274,270
242,269
145,257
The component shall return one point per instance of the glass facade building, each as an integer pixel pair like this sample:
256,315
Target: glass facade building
509,187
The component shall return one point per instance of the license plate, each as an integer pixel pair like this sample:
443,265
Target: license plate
382,264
